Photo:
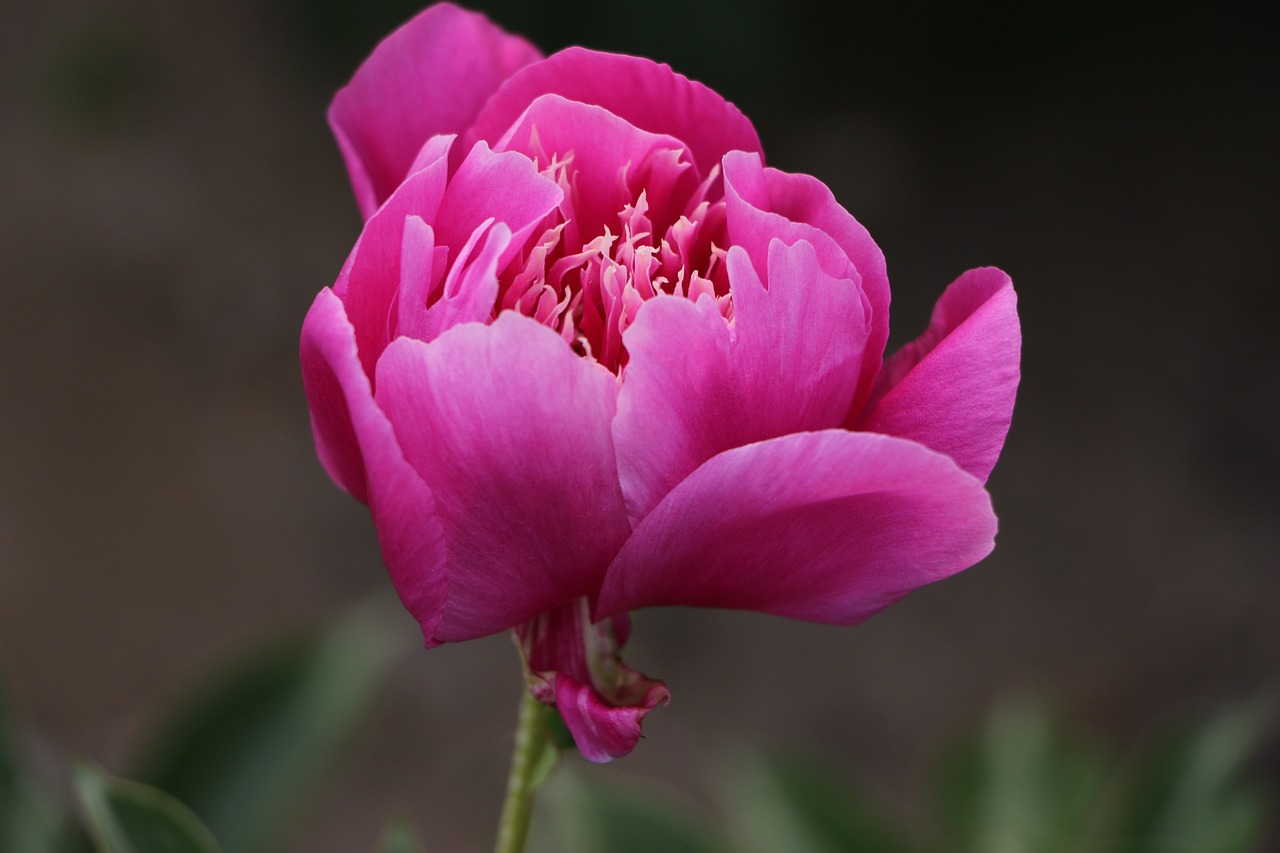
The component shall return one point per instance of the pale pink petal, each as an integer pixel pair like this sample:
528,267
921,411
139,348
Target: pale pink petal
762,204
952,389
429,77
645,94
604,148
825,526
358,448
694,388
511,431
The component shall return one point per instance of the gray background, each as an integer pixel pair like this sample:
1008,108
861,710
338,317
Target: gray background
172,201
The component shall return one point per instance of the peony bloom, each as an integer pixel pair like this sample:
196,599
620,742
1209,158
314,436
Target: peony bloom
590,355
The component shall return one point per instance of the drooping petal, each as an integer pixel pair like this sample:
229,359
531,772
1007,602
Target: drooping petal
648,95
358,448
429,77
825,526
602,731
693,388
952,389
761,204
604,148
511,431
576,666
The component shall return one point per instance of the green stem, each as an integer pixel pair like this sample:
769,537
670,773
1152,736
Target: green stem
529,766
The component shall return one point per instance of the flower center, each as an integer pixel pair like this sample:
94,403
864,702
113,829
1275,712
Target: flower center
589,287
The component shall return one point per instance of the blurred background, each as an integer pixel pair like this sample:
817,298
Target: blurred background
172,201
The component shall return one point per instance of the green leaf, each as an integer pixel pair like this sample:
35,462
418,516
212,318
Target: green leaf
620,818
400,836
29,820
249,755
1190,793
785,803
128,817
1021,785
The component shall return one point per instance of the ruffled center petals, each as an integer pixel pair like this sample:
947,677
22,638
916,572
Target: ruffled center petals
639,91
575,666
429,77
511,429
827,526
634,220
953,388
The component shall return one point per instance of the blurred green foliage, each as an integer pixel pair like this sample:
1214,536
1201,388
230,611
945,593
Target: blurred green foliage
1020,782
236,769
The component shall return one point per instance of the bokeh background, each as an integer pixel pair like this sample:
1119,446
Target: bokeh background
172,201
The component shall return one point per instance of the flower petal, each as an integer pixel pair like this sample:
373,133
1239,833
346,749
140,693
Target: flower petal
505,186
790,364
762,204
358,448
574,665
403,241
430,76
384,254
952,389
607,154
511,431
601,731
648,95
826,526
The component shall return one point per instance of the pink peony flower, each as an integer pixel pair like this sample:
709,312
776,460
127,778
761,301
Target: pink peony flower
590,355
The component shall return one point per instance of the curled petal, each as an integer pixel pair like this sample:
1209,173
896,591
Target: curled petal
602,731
763,204
825,526
790,364
643,93
358,448
603,148
952,389
511,430
574,665
424,228
384,253
504,186
429,77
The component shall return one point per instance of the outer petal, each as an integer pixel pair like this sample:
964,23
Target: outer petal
694,388
648,95
952,389
511,431
762,204
430,76
360,451
829,526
